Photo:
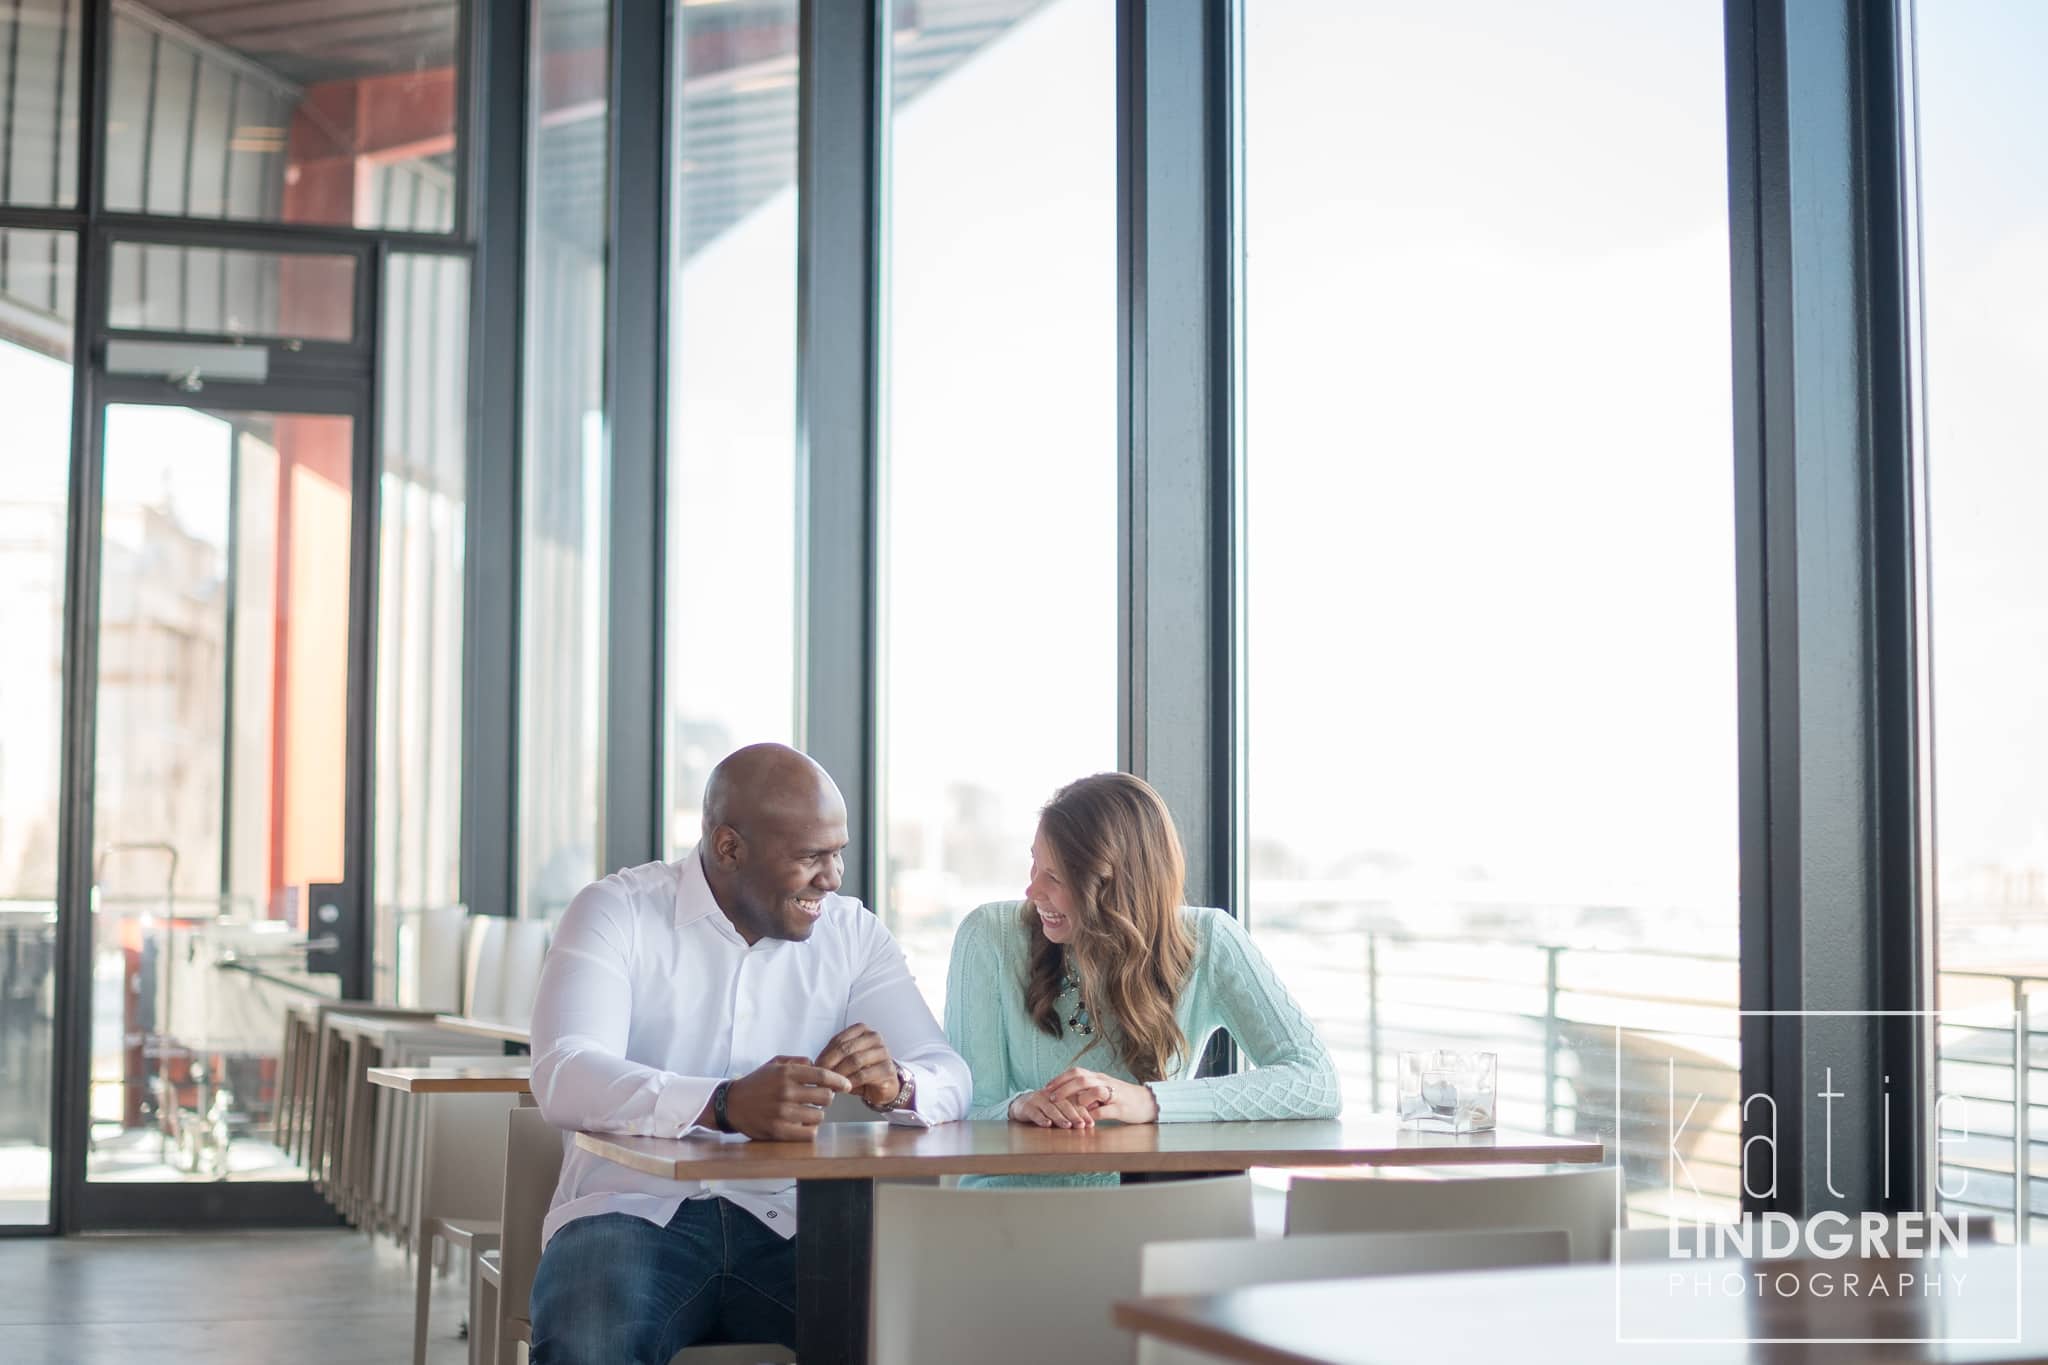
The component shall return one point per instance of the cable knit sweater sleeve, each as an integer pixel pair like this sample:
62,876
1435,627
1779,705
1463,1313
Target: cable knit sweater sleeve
1235,988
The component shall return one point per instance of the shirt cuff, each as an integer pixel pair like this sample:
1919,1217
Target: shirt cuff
921,1080
681,1100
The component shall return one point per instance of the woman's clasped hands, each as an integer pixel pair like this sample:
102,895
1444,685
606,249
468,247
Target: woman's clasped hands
1080,1098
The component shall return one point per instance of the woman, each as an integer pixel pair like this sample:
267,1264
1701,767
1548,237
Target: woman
1094,997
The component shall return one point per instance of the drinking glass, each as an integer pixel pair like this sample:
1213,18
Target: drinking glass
1448,1092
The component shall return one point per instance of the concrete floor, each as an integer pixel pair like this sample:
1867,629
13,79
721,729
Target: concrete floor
314,1298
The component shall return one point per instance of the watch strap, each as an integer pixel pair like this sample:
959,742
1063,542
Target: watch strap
906,1092
719,1119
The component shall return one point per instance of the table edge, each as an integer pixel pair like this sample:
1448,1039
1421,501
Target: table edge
391,1079
777,1166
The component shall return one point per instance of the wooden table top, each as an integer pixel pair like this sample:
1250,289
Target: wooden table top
484,1028
1598,1315
485,1076
865,1150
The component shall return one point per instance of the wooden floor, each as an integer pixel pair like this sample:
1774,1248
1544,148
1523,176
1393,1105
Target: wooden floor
314,1298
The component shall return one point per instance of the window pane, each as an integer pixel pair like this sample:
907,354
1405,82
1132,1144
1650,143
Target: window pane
1001,501
228,292
1984,216
418,792
561,693
39,104
1491,549
36,286
732,397
221,727
266,112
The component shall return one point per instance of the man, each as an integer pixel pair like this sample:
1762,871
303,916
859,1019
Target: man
732,991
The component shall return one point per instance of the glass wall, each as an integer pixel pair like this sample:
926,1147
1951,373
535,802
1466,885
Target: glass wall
732,486
1492,751
1984,213
1000,497
565,478
223,291
267,112
39,122
36,292
417,807
221,724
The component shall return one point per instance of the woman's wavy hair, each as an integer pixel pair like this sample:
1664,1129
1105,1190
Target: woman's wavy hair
1116,849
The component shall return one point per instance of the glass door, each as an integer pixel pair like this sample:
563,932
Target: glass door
222,790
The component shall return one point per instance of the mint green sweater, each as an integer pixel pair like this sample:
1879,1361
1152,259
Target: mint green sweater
1230,986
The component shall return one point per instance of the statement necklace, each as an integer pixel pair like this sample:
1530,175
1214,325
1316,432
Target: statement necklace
1078,1021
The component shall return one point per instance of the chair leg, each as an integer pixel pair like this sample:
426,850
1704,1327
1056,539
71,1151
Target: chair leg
483,1317
422,1296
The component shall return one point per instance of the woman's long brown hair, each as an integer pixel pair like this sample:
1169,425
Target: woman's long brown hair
1117,850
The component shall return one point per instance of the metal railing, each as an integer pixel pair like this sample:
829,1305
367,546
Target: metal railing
1585,1035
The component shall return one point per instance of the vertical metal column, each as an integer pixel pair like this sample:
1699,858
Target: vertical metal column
490,588
1177,479
636,354
1825,604
839,293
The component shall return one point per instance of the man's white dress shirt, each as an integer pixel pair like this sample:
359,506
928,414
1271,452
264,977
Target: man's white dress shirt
650,998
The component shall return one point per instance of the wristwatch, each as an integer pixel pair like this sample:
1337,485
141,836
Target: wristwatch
906,1092
718,1116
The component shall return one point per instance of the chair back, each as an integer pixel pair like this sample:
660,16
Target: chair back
430,944
462,1170
1027,1275
533,1162
526,948
483,965
1585,1204
1220,1264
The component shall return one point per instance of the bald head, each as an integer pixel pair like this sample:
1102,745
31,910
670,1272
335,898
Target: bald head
774,840
766,783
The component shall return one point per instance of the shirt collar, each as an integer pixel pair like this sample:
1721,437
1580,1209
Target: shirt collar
695,902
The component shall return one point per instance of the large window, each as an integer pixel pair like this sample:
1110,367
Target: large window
39,104
417,807
265,111
1984,213
1491,561
1000,504
732,490
564,487
36,290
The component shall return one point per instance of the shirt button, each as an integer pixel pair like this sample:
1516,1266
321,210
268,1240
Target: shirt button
771,1213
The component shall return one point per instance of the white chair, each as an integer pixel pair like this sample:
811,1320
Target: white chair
1211,1267
501,1302
533,1162
526,948
1027,1275
461,1190
1583,1203
483,965
430,948
1654,1244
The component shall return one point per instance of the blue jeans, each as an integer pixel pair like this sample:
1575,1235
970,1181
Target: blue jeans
613,1289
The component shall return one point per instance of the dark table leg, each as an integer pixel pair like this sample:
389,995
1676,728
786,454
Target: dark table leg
835,1240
